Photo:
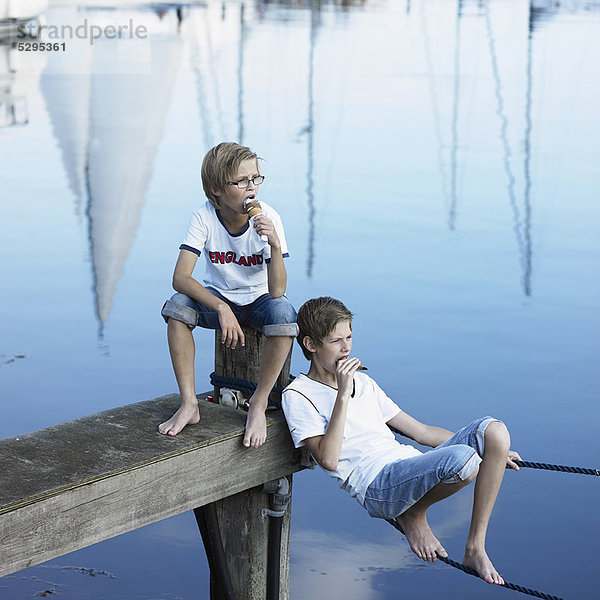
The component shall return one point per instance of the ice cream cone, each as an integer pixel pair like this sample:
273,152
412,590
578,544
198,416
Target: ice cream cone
254,208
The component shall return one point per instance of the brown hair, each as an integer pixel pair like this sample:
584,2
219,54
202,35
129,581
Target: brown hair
317,318
221,164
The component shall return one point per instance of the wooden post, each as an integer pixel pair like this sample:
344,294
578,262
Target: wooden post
245,534
243,525
244,362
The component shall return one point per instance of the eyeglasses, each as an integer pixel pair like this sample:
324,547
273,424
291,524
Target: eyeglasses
244,183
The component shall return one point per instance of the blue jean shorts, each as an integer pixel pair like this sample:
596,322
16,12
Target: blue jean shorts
271,316
402,483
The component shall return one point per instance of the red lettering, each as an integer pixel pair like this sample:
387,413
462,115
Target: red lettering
222,258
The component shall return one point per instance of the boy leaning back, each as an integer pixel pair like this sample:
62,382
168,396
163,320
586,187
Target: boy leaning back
244,283
344,420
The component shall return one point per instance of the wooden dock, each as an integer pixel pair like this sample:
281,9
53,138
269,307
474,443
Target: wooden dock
75,484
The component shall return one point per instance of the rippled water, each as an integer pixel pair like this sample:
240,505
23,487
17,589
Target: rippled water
435,165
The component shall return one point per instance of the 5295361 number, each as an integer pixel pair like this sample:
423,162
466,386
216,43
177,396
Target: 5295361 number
41,47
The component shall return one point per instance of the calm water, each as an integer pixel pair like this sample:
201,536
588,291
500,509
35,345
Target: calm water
435,165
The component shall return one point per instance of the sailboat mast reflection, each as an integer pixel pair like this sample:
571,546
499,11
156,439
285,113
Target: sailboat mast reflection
310,158
527,273
522,230
240,75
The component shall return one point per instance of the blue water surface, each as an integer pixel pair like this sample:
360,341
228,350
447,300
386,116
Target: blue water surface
435,164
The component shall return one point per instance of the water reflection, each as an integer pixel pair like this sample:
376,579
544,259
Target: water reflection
19,72
19,75
109,126
521,230
352,565
107,105
309,132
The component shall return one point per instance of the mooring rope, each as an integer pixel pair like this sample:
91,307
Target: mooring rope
510,586
562,468
234,383
242,385
506,584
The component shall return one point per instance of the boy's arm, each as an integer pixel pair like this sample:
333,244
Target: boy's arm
183,282
426,435
276,273
326,448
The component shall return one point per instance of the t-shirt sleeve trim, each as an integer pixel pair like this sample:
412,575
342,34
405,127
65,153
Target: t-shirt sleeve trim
286,255
190,249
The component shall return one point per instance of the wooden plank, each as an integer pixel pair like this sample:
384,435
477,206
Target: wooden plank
81,482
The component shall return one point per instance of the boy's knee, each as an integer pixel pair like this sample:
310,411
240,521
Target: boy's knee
281,318
176,308
461,464
497,434
470,478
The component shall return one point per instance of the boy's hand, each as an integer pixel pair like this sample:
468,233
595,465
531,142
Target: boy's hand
231,332
264,226
512,455
344,375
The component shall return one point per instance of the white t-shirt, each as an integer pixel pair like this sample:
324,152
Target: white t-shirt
235,263
368,444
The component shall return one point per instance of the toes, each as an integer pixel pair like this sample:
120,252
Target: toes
497,579
258,442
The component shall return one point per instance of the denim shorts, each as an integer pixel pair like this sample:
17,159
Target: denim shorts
402,483
271,316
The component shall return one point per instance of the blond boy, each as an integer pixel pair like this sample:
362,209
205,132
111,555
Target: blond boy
244,283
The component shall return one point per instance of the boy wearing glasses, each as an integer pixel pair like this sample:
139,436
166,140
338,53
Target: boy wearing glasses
344,418
244,283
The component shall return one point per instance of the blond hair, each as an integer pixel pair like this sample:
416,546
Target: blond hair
317,318
220,165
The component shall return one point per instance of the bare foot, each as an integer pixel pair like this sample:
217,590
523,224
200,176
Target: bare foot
479,561
187,414
256,427
420,537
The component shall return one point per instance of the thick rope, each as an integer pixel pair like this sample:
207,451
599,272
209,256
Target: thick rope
233,382
506,584
510,586
247,387
562,468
